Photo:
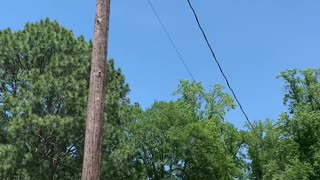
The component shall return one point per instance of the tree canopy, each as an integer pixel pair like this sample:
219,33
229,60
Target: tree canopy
44,79
44,74
289,147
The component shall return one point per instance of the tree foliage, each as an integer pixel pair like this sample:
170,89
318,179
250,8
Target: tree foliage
289,148
186,138
44,74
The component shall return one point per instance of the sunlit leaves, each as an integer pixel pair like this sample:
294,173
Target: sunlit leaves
289,148
44,73
186,138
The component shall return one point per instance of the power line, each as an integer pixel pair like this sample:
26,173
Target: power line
170,39
217,62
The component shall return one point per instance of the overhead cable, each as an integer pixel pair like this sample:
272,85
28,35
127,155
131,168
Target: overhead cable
170,39
217,62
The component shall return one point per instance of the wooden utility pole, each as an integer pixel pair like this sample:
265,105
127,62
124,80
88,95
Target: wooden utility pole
91,169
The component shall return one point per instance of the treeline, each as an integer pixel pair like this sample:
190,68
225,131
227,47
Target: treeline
44,74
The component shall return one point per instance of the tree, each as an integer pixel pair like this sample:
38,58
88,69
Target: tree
44,74
289,148
182,140
302,123
44,80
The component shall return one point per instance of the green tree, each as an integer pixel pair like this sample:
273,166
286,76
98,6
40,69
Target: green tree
186,138
44,73
302,123
44,79
289,148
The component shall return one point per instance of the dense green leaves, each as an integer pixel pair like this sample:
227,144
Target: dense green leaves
289,148
185,139
44,73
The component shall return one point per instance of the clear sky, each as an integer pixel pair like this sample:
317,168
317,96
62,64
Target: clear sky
254,41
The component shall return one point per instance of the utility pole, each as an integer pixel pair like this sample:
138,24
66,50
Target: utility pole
91,169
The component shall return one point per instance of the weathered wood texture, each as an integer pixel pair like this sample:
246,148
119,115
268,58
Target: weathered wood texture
94,125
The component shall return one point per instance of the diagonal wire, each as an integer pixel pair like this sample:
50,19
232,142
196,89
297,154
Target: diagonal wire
217,62
170,39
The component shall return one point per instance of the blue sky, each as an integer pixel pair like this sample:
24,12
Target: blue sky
254,41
